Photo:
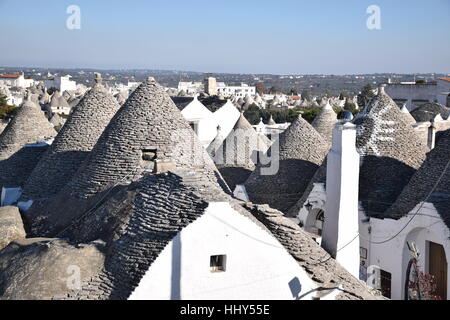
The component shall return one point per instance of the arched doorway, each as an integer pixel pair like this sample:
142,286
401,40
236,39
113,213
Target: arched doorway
431,261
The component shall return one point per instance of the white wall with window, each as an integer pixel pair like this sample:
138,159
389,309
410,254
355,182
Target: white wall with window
223,255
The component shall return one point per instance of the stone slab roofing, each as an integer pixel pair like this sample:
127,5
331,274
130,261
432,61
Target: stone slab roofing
301,151
58,101
428,111
73,143
237,155
407,115
11,226
139,221
324,122
15,170
21,144
423,181
40,269
28,126
148,129
391,152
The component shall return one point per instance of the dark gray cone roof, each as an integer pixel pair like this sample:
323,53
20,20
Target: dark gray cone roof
73,143
146,124
58,100
245,144
391,149
301,151
423,181
324,122
428,111
28,126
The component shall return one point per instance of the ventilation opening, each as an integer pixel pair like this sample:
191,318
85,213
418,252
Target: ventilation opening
149,154
218,263
194,126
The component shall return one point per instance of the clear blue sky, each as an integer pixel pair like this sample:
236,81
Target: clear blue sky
247,36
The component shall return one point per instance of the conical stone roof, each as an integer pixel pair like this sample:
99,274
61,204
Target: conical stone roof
147,133
73,143
57,121
407,116
301,151
28,126
58,101
423,181
391,150
237,155
21,144
428,111
325,121
122,97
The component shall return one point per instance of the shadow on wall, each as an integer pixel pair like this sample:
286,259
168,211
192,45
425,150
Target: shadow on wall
15,170
175,288
61,165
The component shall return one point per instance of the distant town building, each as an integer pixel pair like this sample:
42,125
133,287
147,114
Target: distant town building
15,80
239,91
414,94
190,87
211,86
61,83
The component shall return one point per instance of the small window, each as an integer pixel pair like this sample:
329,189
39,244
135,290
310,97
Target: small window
148,154
218,263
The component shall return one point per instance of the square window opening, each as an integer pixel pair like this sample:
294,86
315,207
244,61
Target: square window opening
218,263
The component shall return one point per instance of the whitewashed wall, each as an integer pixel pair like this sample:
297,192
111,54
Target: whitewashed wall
257,266
226,117
205,121
393,256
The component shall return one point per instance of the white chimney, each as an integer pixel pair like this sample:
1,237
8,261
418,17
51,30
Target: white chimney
431,138
340,232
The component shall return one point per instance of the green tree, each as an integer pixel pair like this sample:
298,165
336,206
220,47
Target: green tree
3,100
305,95
274,90
365,96
260,88
310,114
51,90
293,92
